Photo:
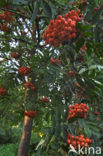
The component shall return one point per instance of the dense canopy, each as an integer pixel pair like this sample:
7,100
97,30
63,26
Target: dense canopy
51,74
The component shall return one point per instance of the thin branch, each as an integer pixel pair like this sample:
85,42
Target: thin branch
22,40
38,31
13,11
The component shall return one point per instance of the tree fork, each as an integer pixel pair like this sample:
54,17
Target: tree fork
26,135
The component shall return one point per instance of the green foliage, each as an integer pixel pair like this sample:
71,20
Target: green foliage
18,2
47,9
36,9
9,149
30,19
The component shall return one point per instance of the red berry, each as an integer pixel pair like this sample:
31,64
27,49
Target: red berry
96,113
3,91
24,70
31,113
15,55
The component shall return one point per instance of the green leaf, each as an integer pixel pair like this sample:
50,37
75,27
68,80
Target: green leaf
39,151
82,70
85,126
47,9
83,27
52,9
19,2
35,11
99,67
79,43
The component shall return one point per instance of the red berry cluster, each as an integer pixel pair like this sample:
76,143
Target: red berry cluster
6,17
23,12
55,61
3,91
80,91
83,1
44,99
72,74
29,85
78,2
62,28
4,27
97,8
96,113
15,55
31,113
79,86
82,4
83,48
78,141
24,70
24,33
73,3
77,110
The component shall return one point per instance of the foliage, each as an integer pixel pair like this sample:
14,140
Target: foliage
10,149
22,33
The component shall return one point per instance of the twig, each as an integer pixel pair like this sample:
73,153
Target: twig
13,11
38,31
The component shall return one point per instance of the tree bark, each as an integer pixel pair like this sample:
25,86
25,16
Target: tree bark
26,134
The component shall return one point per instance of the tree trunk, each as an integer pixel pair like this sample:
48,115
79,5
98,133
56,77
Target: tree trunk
26,134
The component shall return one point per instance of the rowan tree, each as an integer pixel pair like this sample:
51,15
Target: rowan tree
51,71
